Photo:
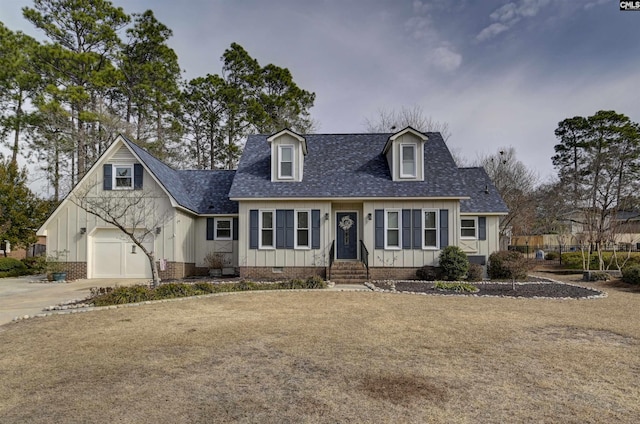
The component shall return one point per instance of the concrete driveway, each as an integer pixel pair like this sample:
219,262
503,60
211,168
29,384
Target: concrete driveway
31,294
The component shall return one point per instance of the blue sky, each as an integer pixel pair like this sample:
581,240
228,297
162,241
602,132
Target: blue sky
499,72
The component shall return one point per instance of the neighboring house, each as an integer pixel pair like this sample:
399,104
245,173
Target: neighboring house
340,205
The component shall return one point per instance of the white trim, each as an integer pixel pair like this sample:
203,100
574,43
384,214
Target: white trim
114,176
386,229
475,227
280,162
273,229
215,228
424,229
415,160
295,229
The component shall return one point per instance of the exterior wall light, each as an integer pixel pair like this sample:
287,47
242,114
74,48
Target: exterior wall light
83,230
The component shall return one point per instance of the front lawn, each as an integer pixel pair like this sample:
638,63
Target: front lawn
322,356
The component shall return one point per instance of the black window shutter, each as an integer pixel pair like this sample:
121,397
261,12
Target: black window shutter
406,228
108,177
417,228
379,219
253,229
315,229
210,228
288,228
137,176
444,228
235,228
280,238
482,228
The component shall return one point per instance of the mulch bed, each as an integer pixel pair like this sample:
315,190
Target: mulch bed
504,289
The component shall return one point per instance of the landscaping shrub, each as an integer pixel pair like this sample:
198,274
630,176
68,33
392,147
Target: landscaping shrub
316,282
573,260
552,256
428,273
453,263
599,276
631,274
456,287
171,290
475,273
508,265
121,295
10,267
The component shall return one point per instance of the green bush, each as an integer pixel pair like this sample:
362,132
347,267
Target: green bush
552,256
122,295
10,267
316,282
428,273
475,273
631,274
573,260
456,287
171,290
599,276
509,264
454,263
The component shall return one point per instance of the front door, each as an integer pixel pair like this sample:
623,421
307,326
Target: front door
347,235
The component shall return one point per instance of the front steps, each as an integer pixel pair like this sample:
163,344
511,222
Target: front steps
348,272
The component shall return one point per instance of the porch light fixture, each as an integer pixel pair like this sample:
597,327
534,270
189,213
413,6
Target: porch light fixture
326,216
158,229
83,230
133,249
369,217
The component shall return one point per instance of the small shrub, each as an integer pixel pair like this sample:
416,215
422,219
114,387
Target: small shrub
453,263
428,273
552,256
206,287
316,282
171,290
573,260
10,267
509,264
456,287
35,264
122,295
599,276
475,273
631,275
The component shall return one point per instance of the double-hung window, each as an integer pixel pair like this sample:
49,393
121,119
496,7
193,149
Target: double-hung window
223,228
123,177
285,165
302,224
468,228
267,239
430,228
408,160
392,229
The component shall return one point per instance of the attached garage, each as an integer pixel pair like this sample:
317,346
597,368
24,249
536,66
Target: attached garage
114,255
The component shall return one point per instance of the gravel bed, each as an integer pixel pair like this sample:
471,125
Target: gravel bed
544,289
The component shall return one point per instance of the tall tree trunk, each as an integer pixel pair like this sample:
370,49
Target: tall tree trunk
16,130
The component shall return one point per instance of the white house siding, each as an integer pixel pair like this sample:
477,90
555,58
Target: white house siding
393,156
63,229
281,258
407,258
477,247
184,242
229,248
298,155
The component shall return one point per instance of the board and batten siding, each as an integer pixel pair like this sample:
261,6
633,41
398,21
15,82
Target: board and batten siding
229,248
184,243
393,156
284,257
298,157
407,258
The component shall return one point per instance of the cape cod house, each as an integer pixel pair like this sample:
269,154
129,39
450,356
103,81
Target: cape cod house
336,205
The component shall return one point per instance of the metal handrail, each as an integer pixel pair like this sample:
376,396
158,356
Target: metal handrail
364,256
331,255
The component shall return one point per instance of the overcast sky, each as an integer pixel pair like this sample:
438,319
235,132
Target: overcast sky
499,72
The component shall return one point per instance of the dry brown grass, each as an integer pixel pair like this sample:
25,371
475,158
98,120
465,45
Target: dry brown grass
292,357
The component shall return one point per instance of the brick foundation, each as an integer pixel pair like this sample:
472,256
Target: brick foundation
392,273
177,270
281,273
76,270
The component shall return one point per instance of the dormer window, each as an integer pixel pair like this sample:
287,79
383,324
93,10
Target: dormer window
408,160
285,165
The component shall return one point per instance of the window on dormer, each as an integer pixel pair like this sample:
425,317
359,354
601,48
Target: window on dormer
408,160
285,167
123,177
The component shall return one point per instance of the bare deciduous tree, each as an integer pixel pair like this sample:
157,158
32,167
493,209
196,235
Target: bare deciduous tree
390,120
134,212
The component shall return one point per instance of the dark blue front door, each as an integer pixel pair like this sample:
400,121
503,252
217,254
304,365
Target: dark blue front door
346,235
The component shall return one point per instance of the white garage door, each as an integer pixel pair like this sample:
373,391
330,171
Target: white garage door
113,256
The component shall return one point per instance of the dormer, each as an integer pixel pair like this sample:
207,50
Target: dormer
288,150
404,151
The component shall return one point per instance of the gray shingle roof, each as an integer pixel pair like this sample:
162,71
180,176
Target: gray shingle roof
484,195
203,192
346,165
